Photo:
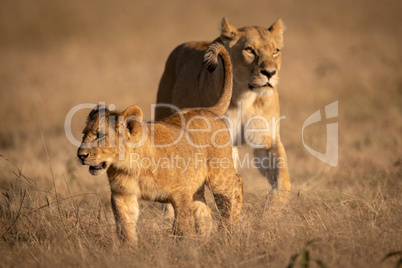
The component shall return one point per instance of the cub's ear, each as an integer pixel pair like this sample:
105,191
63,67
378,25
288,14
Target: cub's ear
228,31
132,110
99,109
132,116
277,30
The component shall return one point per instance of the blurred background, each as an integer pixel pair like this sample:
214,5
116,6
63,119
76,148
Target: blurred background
55,55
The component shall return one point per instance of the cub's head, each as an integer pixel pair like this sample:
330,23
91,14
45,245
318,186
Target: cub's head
106,136
256,55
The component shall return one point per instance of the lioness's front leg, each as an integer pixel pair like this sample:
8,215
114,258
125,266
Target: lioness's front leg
183,223
202,213
126,211
274,166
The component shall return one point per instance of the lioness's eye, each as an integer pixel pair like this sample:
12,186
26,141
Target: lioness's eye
276,51
249,50
100,135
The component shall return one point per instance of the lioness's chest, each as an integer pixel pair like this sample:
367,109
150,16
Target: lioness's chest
254,120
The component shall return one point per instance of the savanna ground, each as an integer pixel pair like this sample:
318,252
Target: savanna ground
57,54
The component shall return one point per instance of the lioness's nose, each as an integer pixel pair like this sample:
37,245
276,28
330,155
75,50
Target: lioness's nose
268,73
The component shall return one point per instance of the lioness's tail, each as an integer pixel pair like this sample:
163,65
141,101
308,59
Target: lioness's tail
211,61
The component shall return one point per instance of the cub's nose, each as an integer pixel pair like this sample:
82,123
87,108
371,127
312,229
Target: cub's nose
268,73
82,157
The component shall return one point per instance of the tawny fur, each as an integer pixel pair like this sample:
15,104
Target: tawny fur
112,140
256,59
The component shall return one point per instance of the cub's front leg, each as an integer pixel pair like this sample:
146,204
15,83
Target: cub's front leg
126,211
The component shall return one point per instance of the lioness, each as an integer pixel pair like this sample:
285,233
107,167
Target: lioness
254,108
167,161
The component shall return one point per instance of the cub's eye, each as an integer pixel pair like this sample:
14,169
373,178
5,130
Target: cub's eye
249,50
100,136
276,52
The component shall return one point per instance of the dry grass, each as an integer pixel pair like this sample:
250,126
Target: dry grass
55,55
339,228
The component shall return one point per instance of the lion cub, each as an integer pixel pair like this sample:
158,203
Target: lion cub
168,161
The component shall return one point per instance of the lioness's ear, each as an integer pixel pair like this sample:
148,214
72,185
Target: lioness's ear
98,109
277,30
228,31
132,116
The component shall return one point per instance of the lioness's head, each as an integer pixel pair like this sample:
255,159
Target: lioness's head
106,136
256,55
